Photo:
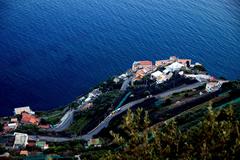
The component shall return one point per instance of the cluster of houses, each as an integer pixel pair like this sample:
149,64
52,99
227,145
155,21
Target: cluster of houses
22,141
163,70
123,76
87,102
22,116
143,68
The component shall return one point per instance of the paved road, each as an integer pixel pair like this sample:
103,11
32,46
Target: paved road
125,84
125,107
65,122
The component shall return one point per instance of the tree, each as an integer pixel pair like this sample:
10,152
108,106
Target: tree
217,136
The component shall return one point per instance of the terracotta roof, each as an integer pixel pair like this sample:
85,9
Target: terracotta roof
140,73
145,63
162,62
28,118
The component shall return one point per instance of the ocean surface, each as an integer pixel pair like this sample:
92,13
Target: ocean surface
52,51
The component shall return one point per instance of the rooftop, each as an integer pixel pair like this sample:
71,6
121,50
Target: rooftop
145,63
28,118
21,140
23,109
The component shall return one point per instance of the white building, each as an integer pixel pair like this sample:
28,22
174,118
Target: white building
116,80
88,99
156,75
199,77
173,67
19,110
213,86
12,125
21,140
95,93
160,77
123,76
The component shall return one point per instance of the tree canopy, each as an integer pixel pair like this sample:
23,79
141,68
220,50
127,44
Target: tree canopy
215,137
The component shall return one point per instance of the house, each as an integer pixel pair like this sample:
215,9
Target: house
156,75
94,142
173,67
123,76
24,153
185,62
141,65
140,74
26,109
172,59
213,86
161,63
88,99
42,144
116,80
13,126
29,119
14,120
159,76
95,93
21,140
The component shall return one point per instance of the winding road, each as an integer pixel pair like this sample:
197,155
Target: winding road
65,122
125,107
68,117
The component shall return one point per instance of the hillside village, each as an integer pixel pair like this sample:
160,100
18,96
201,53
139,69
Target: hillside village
144,81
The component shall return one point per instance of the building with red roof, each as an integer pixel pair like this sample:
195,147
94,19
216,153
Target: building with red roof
172,59
141,65
185,62
29,119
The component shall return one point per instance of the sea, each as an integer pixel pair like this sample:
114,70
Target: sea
52,51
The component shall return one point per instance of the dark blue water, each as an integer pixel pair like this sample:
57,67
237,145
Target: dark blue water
54,50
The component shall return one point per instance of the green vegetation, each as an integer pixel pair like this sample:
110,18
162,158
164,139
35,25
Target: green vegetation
28,128
73,105
66,148
109,85
51,117
93,154
84,121
199,68
215,137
